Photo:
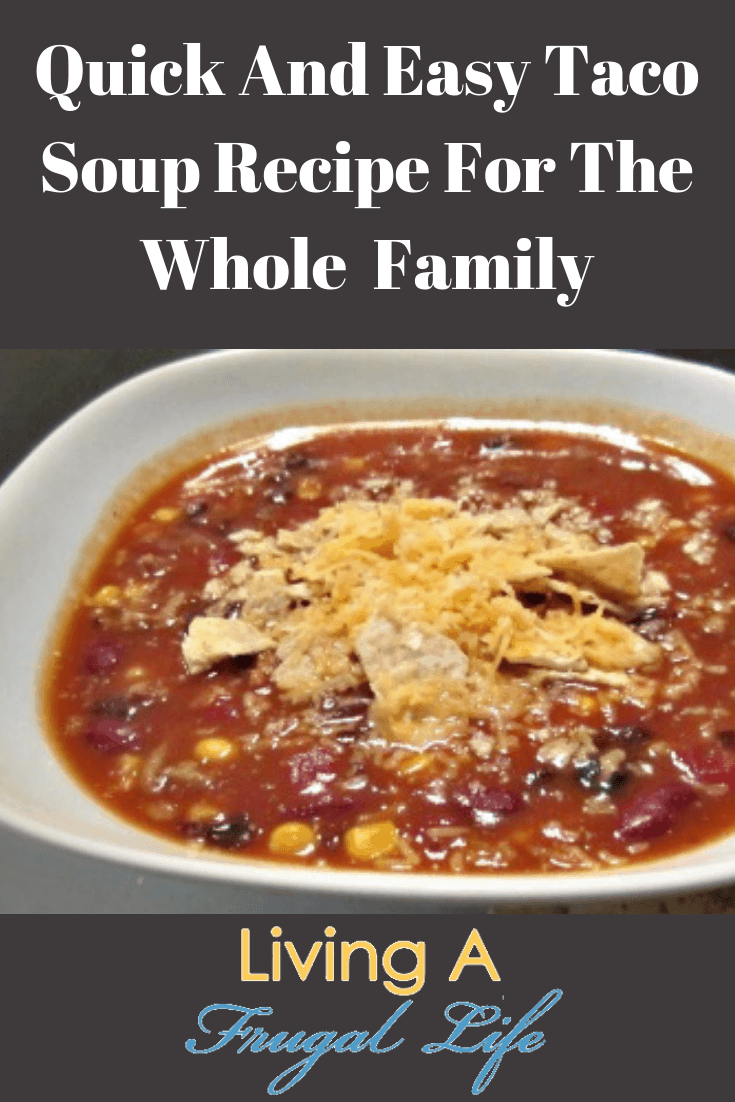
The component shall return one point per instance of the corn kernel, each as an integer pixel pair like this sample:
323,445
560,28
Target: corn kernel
214,749
135,673
128,766
202,812
107,597
353,462
135,590
166,514
291,838
309,489
415,763
370,840
161,811
586,704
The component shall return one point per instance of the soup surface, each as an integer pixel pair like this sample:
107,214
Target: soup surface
415,648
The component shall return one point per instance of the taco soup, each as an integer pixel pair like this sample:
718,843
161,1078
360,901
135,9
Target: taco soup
430,647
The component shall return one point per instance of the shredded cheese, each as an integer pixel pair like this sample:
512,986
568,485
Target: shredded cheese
425,600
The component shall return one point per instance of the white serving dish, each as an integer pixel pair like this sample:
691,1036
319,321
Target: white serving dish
50,504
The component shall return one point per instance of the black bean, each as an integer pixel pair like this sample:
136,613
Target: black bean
728,531
115,707
297,461
494,444
196,510
232,610
645,615
228,831
194,607
345,703
241,663
628,735
651,622
279,478
346,715
588,772
538,777
278,496
613,781
350,710
727,738
590,775
532,600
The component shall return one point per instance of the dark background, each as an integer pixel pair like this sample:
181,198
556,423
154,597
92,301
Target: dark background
74,270
104,1006
39,387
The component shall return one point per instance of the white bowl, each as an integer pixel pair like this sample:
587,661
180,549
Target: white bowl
51,503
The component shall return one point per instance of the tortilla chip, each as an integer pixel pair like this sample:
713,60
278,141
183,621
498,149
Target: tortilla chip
616,570
210,639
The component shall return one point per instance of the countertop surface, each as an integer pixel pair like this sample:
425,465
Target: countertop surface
38,389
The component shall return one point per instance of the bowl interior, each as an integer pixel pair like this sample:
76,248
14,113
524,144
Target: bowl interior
52,502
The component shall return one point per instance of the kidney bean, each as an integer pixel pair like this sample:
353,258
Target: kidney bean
444,815
488,799
653,813
727,738
513,479
102,657
111,736
306,767
222,709
325,801
710,764
222,559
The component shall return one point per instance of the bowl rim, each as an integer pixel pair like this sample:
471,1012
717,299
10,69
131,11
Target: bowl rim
639,880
